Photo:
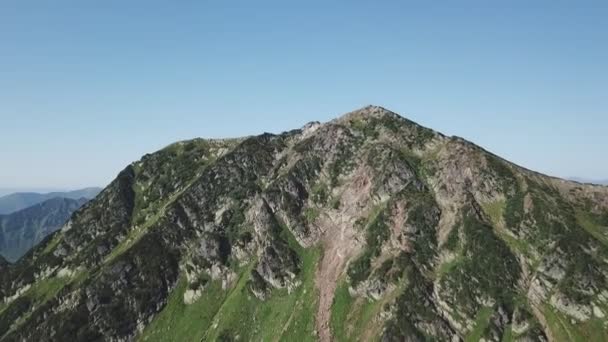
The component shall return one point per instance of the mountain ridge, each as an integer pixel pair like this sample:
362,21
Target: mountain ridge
20,200
23,229
367,227
603,182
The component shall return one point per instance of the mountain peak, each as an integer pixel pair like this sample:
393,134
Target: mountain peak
369,111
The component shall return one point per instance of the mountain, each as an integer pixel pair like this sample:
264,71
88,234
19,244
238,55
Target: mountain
22,230
3,264
367,227
590,181
21,200
8,191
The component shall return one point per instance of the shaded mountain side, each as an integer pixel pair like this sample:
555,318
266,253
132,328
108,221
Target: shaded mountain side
368,227
3,264
21,200
22,230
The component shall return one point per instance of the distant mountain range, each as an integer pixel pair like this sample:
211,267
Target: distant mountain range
21,200
26,218
22,230
6,191
589,181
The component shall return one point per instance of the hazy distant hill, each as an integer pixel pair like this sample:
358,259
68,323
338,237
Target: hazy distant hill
22,230
21,200
590,181
12,190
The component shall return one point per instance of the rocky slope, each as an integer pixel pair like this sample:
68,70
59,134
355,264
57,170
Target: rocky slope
22,230
368,227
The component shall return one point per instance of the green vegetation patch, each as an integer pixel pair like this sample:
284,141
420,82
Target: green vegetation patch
343,163
14,313
181,322
495,210
340,310
320,193
504,174
311,214
482,321
452,243
508,334
422,214
235,313
46,289
284,316
518,245
413,308
355,318
162,173
487,269
594,225
514,210
447,267
139,230
52,244
377,232
563,329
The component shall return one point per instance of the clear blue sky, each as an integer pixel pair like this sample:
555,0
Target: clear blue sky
87,88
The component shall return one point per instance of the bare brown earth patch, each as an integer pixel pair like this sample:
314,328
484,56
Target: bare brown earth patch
340,244
341,241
